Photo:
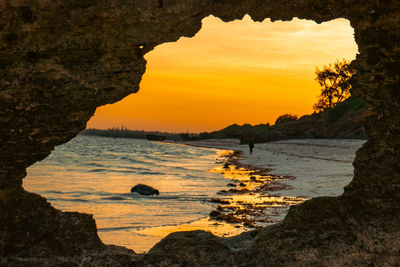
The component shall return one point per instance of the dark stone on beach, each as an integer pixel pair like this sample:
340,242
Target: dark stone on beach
253,178
226,166
249,224
239,191
219,201
242,184
144,190
220,208
231,185
214,214
229,218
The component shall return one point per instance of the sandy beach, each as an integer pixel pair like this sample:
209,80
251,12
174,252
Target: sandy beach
229,190
321,167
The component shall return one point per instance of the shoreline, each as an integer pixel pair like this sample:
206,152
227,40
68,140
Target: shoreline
243,203
322,167
253,199
284,173
250,200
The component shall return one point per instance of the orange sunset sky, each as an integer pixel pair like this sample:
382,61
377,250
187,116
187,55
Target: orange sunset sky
237,72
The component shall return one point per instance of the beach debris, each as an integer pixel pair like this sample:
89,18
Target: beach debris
144,190
214,214
239,191
272,186
220,208
249,224
250,203
219,201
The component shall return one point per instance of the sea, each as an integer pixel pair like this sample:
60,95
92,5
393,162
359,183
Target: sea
94,175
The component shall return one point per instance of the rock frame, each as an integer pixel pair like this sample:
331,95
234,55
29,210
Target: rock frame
61,59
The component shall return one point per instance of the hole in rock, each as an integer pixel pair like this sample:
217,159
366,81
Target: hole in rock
229,73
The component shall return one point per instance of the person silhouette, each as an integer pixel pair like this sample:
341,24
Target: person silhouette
251,145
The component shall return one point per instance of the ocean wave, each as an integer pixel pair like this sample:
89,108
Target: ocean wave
161,197
71,193
68,200
56,192
114,198
152,173
124,170
98,173
78,200
109,229
96,164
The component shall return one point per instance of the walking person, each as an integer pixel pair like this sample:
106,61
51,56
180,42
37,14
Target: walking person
251,145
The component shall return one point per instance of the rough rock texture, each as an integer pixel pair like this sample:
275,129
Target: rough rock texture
60,59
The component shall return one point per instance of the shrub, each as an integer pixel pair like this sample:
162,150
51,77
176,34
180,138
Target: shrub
350,104
286,118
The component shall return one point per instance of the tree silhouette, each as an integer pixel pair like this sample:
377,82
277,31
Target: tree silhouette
334,80
285,118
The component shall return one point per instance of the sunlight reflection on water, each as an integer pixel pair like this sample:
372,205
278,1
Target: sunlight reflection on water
95,174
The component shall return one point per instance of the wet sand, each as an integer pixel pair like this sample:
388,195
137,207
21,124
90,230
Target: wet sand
262,186
322,167
253,198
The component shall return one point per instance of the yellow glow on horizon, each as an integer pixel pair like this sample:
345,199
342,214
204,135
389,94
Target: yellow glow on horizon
235,72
